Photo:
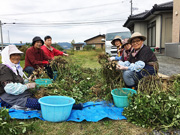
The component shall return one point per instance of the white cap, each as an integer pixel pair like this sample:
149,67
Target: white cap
13,49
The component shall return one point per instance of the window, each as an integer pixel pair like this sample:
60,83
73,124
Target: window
152,34
77,48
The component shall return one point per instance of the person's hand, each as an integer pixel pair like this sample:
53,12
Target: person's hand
111,58
65,54
31,85
121,67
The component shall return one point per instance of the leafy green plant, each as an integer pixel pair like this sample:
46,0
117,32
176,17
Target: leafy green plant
8,126
156,108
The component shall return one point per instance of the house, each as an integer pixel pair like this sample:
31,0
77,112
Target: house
97,41
173,49
176,22
155,24
78,46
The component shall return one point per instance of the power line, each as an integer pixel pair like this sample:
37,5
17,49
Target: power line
70,23
63,10
65,23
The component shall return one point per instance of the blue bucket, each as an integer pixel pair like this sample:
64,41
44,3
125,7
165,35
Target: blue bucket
43,82
56,108
120,96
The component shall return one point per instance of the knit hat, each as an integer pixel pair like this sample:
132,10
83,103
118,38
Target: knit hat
37,39
136,35
116,38
13,49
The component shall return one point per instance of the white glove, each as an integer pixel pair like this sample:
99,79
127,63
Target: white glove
31,85
112,58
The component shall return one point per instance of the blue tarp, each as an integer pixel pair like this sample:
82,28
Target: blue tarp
92,111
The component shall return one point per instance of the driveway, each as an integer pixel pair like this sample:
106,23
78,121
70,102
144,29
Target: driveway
168,65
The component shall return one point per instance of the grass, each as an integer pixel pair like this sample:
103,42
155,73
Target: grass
103,127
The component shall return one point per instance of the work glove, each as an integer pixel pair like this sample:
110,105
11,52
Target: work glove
31,85
111,58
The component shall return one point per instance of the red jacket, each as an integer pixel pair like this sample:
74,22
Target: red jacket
35,57
52,53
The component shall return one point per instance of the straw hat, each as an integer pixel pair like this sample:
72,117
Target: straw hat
137,35
116,38
14,50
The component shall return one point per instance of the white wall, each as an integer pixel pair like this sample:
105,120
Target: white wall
142,28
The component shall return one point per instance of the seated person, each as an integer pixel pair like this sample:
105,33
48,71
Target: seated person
117,41
142,61
13,91
127,50
49,50
35,57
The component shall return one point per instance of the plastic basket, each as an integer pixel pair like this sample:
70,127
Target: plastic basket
56,108
43,82
120,96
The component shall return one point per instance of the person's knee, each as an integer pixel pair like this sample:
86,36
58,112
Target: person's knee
29,70
128,77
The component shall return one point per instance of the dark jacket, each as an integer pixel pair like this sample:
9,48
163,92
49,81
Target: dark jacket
146,55
7,75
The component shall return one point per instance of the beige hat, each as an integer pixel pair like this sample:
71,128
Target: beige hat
116,38
136,35
13,49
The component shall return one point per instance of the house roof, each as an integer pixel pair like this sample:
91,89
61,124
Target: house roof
142,16
78,44
103,35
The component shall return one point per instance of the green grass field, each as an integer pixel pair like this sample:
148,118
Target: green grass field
103,127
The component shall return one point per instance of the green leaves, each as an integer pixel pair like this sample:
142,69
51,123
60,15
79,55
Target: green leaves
158,110
10,127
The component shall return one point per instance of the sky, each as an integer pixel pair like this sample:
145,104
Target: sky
65,20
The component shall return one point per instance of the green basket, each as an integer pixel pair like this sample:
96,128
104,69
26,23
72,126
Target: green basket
120,96
43,82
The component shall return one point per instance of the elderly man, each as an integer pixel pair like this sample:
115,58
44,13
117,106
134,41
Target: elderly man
142,61
49,50
35,57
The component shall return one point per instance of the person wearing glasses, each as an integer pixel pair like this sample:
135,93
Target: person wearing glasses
142,61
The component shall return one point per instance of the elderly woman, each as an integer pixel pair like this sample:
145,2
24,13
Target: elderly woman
13,91
127,50
117,41
142,61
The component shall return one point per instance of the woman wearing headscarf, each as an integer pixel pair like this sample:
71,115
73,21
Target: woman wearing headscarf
142,61
13,91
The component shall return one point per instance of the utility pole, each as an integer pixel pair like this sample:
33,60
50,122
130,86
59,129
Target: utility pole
8,37
131,6
1,36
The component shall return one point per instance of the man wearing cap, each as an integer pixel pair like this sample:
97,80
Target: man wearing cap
142,61
117,41
35,56
49,50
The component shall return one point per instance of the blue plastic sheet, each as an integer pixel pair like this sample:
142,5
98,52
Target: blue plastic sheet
92,111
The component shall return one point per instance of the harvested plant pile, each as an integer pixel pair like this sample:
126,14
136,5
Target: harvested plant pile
84,84
157,104
111,76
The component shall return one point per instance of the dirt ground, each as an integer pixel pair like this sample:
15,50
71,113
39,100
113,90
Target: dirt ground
168,65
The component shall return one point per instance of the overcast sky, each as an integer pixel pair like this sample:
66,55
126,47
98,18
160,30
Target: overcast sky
66,20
